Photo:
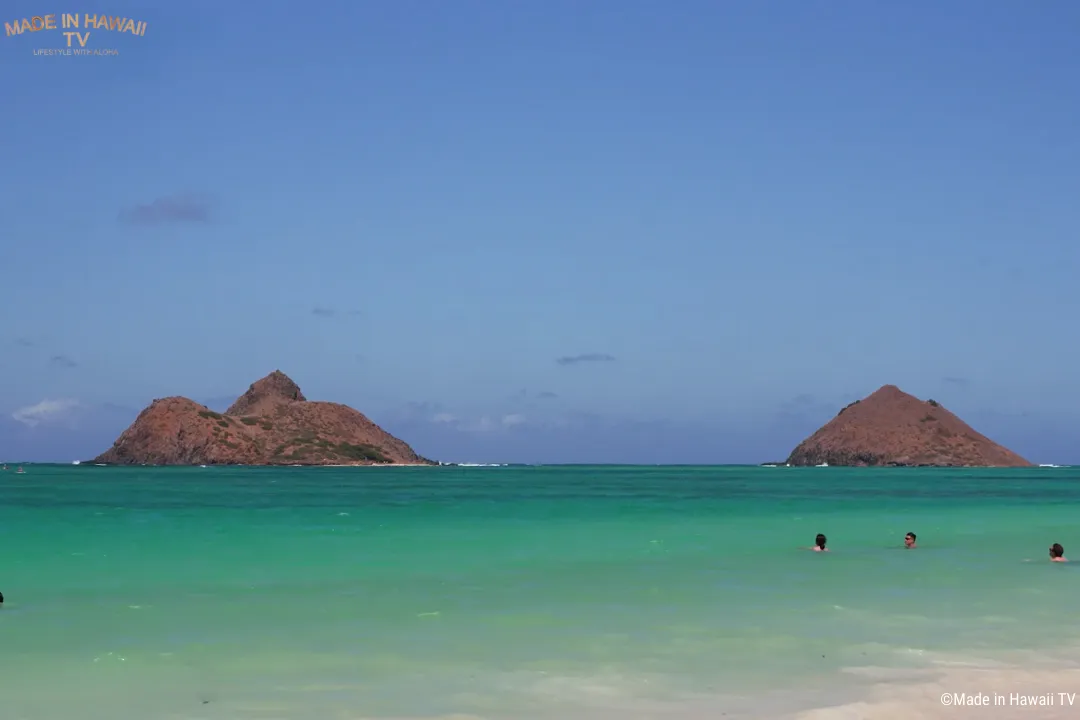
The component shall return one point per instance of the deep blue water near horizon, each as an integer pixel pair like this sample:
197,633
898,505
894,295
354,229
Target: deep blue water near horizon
512,592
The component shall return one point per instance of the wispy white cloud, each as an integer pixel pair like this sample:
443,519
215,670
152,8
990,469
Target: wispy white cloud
45,411
433,414
481,423
472,425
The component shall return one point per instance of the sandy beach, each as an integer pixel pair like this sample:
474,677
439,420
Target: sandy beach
1011,687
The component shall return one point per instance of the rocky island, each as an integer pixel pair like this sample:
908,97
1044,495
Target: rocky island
892,428
270,424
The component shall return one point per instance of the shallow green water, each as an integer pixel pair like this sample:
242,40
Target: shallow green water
571,592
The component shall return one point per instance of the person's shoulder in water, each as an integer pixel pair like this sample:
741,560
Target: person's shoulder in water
1057,553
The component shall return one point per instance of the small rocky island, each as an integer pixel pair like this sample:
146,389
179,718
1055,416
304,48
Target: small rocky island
892,428
271,424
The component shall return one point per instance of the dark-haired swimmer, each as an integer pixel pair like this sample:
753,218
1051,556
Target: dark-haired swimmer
819,544
1057,553
909,541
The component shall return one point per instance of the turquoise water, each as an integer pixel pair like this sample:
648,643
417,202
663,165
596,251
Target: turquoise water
512,593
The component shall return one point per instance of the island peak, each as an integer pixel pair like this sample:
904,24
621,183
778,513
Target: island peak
888,391
275,389
892,427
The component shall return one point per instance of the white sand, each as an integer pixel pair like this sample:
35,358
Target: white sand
1000,682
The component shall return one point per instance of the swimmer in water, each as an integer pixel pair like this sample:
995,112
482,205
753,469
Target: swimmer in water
819,544
1057,553
909,541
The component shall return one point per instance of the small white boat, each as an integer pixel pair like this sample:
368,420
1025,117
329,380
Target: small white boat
822,465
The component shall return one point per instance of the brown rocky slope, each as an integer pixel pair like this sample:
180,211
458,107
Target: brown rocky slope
271,424
890,427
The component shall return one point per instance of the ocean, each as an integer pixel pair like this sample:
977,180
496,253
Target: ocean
535,593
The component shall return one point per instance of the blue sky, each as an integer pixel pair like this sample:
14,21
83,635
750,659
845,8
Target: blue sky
742,214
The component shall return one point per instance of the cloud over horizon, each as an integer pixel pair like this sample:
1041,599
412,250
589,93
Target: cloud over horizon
585,358
434,415
169,210
64,429
44,412
61,430
581,437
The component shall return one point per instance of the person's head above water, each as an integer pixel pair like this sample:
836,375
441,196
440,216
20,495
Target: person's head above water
909,540
820,541
1057,553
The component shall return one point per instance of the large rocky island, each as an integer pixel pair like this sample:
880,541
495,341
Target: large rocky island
271,424
891,428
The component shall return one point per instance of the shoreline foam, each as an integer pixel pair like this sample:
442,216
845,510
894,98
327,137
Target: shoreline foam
1006,686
